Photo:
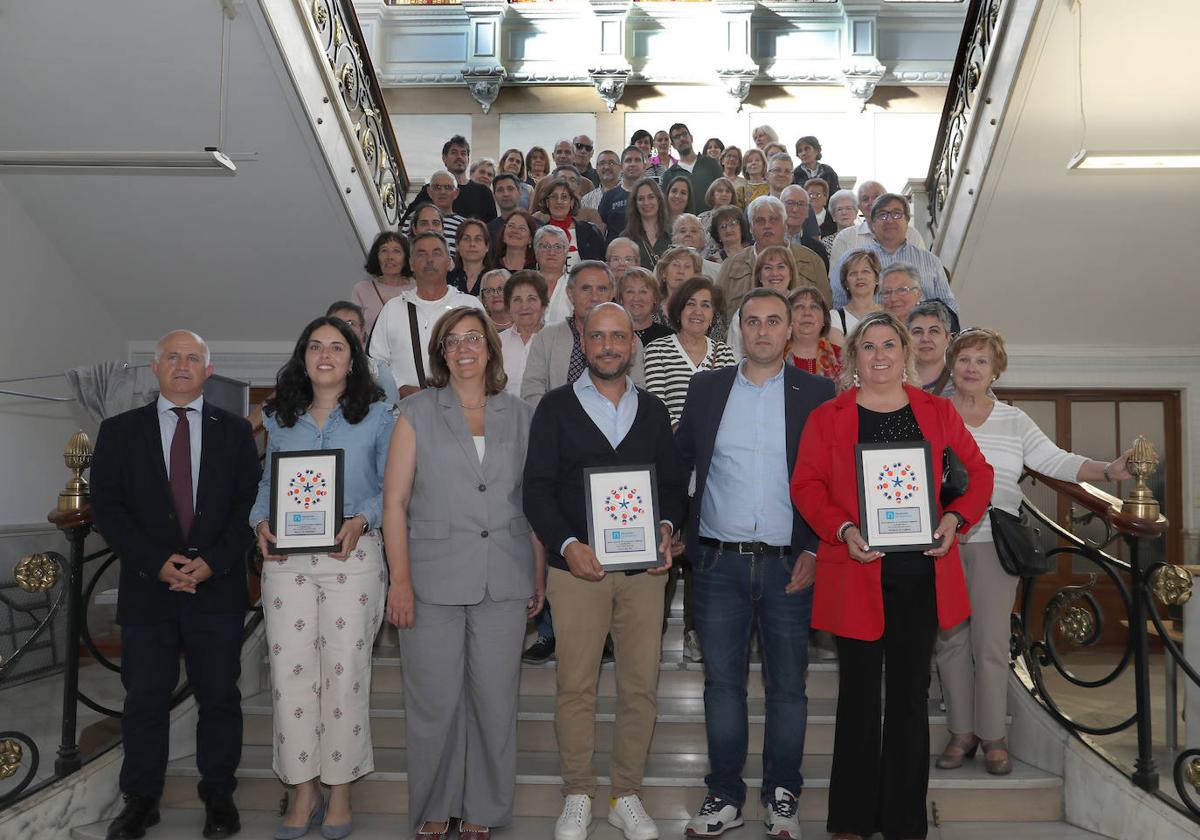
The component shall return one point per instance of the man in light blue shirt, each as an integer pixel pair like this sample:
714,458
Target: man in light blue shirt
890,216
753,558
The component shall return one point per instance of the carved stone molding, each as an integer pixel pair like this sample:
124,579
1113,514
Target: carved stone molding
861,78
736,82
610,84
484,84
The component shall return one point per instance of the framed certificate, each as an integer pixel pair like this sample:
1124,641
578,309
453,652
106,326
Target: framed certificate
896,505
622,505
306,500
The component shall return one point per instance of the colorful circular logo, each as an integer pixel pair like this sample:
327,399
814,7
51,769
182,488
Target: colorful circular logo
307,487
897,482
624,505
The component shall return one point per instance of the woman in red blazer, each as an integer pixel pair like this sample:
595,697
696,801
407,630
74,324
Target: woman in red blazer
882,606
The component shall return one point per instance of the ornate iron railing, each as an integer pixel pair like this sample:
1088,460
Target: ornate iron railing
342,40
1073,614
43,573
958,111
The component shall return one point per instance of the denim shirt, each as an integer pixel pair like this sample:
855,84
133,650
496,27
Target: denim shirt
365,442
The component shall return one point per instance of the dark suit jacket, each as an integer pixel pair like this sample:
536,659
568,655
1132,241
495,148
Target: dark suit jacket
589,241
132,509
697,435
568,442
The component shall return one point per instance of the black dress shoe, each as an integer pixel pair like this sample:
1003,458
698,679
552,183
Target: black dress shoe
542,650
139,813
220,816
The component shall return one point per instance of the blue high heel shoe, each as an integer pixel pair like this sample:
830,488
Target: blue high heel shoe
294,832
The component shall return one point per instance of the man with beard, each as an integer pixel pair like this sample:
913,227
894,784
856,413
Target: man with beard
700,170
602,420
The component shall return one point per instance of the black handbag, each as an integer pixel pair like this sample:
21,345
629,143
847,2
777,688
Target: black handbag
954,477
1018,544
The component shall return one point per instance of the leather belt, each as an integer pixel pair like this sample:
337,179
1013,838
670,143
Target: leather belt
747,547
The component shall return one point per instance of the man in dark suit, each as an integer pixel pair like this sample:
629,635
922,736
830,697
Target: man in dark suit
172,486
754,560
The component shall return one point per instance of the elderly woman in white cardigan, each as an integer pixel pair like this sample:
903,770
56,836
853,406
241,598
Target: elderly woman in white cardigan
973,657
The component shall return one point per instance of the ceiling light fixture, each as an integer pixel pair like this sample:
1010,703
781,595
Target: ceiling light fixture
1088,159
209,160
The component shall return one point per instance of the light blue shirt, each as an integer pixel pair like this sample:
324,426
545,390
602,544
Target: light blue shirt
365,442
168,420
382,374
613,421
933,274
746,495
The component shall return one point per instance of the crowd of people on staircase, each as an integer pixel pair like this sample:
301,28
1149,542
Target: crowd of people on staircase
736,318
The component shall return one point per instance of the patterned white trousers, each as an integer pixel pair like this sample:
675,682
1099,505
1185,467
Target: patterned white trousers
322,615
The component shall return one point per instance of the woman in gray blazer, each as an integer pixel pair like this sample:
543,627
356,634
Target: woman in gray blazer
466,573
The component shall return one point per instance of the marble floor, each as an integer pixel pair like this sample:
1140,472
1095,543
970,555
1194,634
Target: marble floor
185,825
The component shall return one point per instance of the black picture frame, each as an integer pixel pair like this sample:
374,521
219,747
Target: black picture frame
283,463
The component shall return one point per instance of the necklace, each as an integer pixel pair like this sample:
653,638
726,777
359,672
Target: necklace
472,407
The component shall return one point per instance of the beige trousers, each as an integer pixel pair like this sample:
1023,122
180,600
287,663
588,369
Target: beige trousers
631,608
973,657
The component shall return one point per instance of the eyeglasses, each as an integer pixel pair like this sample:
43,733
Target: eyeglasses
452,342
582,147
729,226
884,215
552,247
622,260
775,170
441,187
794,204
497,292
898,290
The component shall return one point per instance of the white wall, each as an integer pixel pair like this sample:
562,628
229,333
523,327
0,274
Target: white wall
51,321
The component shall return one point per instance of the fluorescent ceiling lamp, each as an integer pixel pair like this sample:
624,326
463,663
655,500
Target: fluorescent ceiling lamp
1086,159
210,160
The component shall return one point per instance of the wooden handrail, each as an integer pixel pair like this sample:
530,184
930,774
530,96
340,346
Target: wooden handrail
1106,506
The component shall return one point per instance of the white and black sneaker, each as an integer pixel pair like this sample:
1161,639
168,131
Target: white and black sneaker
542,650
780,817
715,818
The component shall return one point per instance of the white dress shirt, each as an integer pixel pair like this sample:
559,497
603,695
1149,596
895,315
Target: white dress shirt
168,420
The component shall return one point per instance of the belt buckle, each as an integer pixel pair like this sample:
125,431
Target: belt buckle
753,549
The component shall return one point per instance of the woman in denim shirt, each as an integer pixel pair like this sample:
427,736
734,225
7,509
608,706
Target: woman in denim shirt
323,610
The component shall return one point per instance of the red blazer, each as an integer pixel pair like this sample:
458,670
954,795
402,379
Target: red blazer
848,596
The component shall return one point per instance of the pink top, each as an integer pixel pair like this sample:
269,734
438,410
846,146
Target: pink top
371,295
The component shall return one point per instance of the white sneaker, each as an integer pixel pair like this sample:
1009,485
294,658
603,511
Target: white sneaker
628,815
780,816
715,818
576,818
691,647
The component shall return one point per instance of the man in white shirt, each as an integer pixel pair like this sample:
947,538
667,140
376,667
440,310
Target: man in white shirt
443,190
608,170
392,341
859,235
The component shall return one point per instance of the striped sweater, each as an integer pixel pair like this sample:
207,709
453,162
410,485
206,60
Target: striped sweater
669,369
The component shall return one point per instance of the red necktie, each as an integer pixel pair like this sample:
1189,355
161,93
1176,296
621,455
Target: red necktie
181,471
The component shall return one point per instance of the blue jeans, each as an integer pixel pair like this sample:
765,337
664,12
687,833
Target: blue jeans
736,594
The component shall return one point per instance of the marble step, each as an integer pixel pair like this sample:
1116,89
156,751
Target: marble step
673,787
678,677
680,726
185,823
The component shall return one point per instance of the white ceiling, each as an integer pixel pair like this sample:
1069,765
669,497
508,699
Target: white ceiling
249,256
1092,258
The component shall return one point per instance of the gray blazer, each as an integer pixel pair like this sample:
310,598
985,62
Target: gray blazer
467,535
550,360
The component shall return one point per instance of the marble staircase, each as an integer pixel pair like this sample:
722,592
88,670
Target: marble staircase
967,803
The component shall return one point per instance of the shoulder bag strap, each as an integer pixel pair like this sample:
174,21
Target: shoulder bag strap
416,343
